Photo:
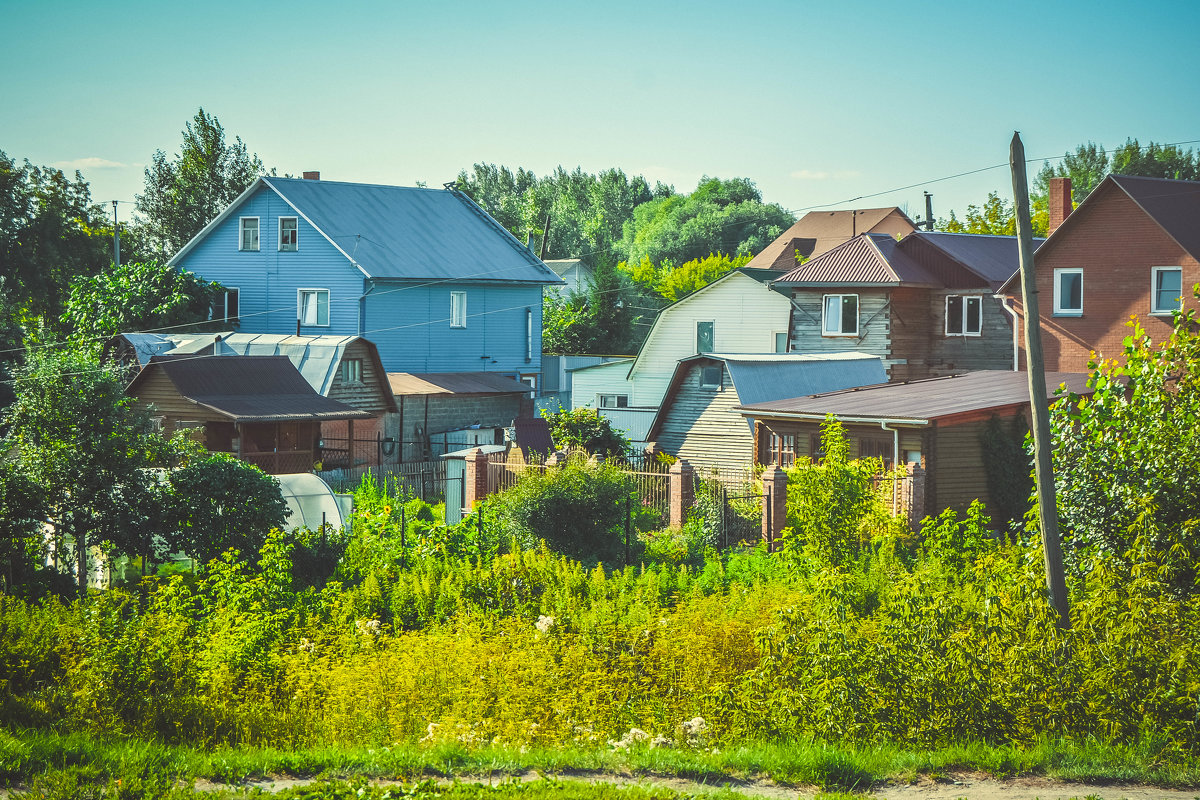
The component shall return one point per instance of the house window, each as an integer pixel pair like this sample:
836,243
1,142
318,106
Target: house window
705,336
289,234
352,370
964,315
312,306
458,309
528,335
781,342
612,401
1068,292
1166,290
225,306
249,234
783,449
710,377
840,315
816,448
877,448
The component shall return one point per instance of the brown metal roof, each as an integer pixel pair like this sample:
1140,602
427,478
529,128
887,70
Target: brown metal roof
921,401
872,258
818,232
532,435
408,383
1174,205
246,388
993,259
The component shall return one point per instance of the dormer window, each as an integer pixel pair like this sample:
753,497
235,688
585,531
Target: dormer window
248,239
289,234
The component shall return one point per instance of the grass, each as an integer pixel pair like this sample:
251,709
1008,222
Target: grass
26,754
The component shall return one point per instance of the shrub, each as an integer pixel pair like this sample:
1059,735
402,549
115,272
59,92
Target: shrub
585,429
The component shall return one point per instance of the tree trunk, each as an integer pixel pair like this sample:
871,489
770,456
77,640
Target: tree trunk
81,560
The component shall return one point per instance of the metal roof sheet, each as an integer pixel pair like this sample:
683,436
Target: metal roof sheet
923,400
247,389
1173,204
403,233
758,378
993,258
408,383
817,232
870,258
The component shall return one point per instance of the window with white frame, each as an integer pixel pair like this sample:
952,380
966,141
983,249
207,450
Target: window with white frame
964,315
312,306
458,309
1166,289
225,306
612,401
840,315
289,233
248,229
1068,291
783,449
352,370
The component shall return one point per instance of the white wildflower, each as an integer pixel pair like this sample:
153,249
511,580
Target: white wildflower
544,623
695,726
430,732
367,627
661,741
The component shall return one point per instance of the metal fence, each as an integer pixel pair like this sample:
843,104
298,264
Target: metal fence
423,479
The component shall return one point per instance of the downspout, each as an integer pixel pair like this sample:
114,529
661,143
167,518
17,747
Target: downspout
1012,312
895,459
362,306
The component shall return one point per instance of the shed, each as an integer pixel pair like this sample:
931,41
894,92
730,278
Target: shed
695,422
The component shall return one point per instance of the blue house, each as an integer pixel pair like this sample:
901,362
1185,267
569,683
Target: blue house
425,274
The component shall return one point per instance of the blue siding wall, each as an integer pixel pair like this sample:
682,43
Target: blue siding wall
409,322
267,280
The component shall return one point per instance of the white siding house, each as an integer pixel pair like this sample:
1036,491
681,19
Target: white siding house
736,314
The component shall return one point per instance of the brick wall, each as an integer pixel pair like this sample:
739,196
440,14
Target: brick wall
1116,245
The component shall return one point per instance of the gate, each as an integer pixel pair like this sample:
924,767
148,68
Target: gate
740,515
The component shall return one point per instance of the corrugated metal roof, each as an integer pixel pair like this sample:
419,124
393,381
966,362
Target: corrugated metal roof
408,383
871,258
246,389
993,258
818,232
532,435
923,400
397,232
1174,205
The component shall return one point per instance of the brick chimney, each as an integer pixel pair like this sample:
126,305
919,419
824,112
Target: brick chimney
312,176
1060,201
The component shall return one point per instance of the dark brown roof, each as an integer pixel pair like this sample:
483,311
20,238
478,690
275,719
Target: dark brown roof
1174,205
993,258
532,435
407,383
872,258
820,231
921,401
246,388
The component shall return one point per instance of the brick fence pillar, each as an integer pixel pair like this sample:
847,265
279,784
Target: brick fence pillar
683,491
475,480
774,516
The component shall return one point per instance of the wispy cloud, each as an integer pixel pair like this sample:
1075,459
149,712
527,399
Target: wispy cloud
91,162
822,175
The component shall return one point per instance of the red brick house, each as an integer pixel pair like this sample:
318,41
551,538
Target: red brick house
1131,249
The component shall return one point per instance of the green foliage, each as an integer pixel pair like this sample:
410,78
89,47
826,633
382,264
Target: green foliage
995,217
1127,459
1007,467
225,504
185,193
136,296
721,216
598,320
585,429
578,509
1155,161
672,283
567,327
21,512
830,503
956,543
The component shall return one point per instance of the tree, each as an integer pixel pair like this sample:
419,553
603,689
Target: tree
137,296
50,234
185,193
77,438
1155,161
225,504
721,216
671,282
1127,459
994,217
586,429
21,513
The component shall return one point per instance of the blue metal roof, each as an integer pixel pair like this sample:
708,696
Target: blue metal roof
776,376
402,233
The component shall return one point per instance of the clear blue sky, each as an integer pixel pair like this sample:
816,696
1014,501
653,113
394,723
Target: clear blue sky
815,102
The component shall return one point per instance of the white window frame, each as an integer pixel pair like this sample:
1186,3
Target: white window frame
825,331
458,309
616,400
700,322
1154,309
242,235
317,307
224,301
966,298
1059,311
296,246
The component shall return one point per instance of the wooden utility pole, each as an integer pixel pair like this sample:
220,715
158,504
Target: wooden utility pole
1034,363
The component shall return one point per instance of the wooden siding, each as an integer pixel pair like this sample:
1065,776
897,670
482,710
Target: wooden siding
366,394
159,397
993,349
874,325
958,471
911,333
805,432
746,316
700,426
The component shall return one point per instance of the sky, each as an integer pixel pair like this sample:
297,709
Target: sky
829,104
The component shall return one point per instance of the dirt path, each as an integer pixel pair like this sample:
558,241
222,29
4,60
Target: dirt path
969,786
